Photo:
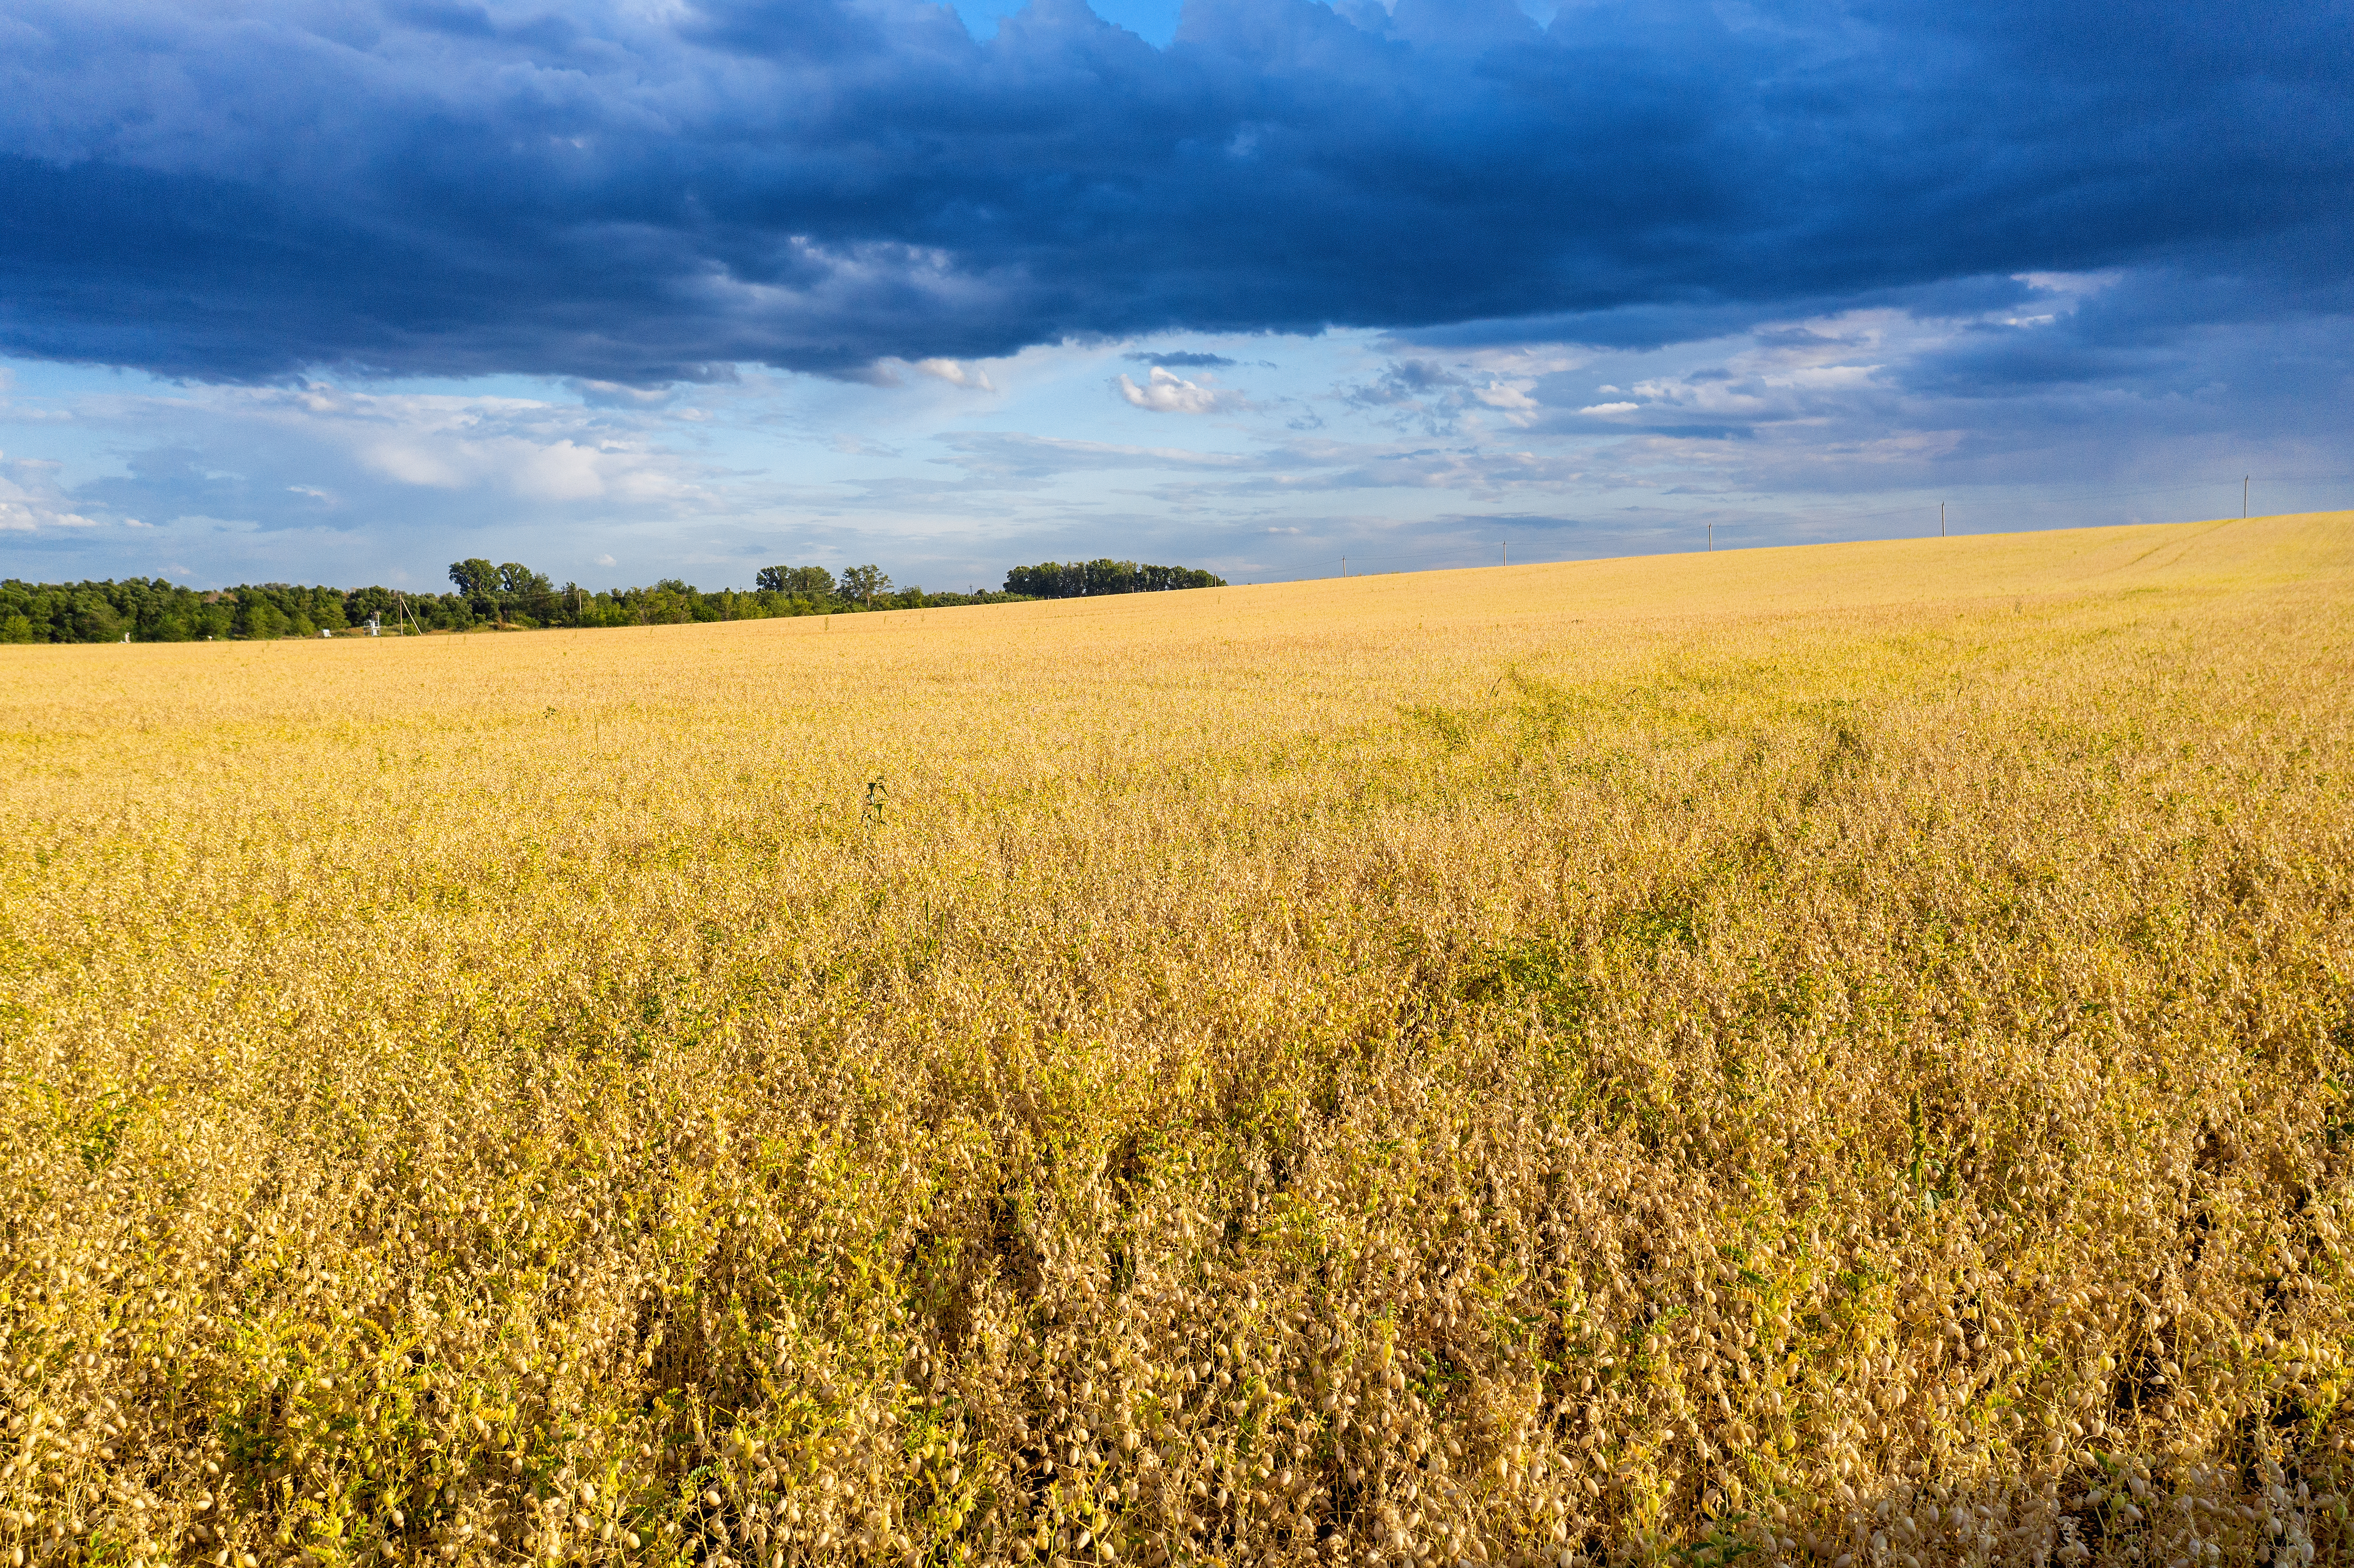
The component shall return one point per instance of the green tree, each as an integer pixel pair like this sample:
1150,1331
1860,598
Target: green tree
92,619
864,584
523,591
258,618
519,581
815,582
477,580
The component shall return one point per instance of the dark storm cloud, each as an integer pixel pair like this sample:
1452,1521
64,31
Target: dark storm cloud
637,194
1184,361
2156,331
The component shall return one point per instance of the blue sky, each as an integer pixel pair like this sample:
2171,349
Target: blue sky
340,290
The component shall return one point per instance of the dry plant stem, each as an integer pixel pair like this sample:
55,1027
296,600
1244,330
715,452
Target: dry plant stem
1832,1055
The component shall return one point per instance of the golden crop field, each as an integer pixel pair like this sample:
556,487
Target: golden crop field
1839,1055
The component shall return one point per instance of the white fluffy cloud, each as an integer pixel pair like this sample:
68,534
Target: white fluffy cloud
530,449
1166,392
957,373
322,482
30,500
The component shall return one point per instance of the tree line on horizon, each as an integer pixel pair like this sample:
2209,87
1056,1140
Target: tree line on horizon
1082,579
510,595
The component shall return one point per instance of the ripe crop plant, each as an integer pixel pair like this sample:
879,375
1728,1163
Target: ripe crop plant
1839,1055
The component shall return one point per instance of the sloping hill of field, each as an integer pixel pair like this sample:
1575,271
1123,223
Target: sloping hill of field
1834,1055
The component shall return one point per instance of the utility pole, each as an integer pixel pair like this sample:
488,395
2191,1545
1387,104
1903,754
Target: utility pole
1507,548
2244,495
1344,566
1941,520
1712,535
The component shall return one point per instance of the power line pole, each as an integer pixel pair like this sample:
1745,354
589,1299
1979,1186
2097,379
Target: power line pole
2244,495
1712,535
1941,520
1507,547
